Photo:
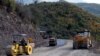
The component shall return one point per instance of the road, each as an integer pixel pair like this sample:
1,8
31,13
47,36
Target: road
64,48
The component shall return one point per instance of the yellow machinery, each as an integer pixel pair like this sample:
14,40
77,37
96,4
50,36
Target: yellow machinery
20,45
82,40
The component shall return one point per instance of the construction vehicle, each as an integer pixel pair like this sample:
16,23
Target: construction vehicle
52,41
21,44
82,40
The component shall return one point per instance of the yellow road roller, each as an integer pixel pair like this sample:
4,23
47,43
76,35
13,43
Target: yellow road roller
21,44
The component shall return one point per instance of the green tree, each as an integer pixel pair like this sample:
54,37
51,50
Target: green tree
10,4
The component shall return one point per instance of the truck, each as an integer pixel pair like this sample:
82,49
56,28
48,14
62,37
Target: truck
52,41
82,40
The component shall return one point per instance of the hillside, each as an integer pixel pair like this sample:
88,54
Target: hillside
10,24
16,20
63,19
92,8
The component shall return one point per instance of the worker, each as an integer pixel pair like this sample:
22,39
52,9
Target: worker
14,42
23,42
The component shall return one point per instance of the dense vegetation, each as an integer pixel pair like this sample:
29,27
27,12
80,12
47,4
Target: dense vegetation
63,19
10,4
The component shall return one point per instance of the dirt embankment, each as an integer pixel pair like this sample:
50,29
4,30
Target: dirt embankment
11,23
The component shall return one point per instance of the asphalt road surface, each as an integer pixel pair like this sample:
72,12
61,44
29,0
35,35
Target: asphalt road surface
64,48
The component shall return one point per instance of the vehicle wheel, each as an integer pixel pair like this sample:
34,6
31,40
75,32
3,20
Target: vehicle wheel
28,50
85,45
88,44
91,45
13,51
50,44
53,44
20,51
75,45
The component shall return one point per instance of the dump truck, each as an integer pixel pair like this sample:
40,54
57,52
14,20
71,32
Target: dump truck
82,40
21,44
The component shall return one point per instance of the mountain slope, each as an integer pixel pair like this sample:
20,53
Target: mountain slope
62,18
90,7
10,24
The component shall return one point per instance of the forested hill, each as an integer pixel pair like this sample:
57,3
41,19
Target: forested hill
62,18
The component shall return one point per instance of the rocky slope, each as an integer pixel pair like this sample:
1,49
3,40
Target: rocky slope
11,23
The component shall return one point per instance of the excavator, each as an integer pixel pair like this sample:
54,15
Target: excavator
20,45
82,40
